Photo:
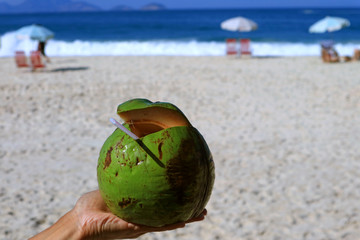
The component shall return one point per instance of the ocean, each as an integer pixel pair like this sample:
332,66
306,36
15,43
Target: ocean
281,32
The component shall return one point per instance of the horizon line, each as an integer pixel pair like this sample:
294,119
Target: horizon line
190,9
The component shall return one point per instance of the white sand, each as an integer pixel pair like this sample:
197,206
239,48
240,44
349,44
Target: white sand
284,133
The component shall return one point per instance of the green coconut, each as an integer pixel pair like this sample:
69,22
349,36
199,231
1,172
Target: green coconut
164,177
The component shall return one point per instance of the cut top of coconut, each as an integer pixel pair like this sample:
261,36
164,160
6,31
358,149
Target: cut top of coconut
145,117
153,119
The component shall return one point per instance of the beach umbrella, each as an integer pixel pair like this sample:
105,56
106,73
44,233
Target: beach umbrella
36,32
329,24
239,24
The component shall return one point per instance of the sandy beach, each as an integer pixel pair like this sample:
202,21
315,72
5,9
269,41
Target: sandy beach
284,134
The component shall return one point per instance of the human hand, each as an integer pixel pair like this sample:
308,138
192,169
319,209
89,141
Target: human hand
97,222
91,219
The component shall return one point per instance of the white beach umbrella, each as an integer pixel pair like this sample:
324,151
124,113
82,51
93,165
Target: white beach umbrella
36,32
239,24
329,24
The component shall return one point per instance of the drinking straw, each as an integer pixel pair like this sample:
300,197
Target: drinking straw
138,140
124,129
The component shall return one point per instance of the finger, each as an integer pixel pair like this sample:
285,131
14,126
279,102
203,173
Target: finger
170,227
205,212
198,218
142,229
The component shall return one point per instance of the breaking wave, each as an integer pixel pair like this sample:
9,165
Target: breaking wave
9,44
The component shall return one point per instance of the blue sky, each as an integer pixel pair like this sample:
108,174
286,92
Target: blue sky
186,4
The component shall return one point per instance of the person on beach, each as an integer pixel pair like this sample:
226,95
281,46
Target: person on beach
41,49
329,55
91,219
328,52
356,56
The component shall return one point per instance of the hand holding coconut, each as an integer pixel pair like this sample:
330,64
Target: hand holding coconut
155,173
91,219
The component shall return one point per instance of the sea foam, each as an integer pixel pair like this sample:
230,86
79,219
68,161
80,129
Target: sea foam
10,43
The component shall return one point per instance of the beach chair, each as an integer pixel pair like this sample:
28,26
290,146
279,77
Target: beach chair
245,47
35,58
231,48
20,59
